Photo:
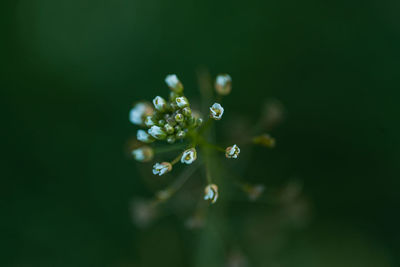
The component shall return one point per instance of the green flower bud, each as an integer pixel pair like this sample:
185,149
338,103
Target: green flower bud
187,111
171,139
168,128
179,117
180,135
178,128
161,122
171,121
199,122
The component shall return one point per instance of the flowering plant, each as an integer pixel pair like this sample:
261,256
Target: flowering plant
173,122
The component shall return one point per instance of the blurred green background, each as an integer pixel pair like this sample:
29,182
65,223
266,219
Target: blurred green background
71,70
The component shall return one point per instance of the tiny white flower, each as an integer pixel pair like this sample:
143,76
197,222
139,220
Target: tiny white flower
223,84
157,132
139,111
159,103
232,152
182,102
173,82
189,156
161,168
211,193
216,111
143,154
144,137
149,121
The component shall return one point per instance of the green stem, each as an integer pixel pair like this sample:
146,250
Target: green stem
176,160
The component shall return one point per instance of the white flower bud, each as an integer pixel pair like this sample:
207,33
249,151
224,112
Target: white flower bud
223,84
149,121
143,154
211,193
189,156
182,102
144,137
173,83
216,111
159,103
139,112
162,168
232,152
157,132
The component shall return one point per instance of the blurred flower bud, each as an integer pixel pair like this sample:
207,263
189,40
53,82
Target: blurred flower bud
189,156
199,122
162,168
173,83
143,154
177,128
163,195
182,102
144,137
171,139
272,113
159,103
264,140
223,84
139,112
216,111
187,112
254,191
157,132
211,193
180,135
143,212
232,152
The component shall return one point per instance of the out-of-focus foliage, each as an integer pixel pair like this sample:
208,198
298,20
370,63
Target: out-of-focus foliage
72,68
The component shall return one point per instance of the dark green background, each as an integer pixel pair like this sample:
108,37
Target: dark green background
71,70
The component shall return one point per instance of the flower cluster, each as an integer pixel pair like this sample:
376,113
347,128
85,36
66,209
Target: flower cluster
172,121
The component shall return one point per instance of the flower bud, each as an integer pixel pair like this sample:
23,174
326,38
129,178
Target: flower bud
177,128
211,193
189,156
216,111
171,121
168,128
171,139
199,122
179,117
223,84
157,132
173,83
180,135
161,122
144,137
182,102
139,112
162,168
159,103
187,112
143,154
232,152
149,121
264,140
